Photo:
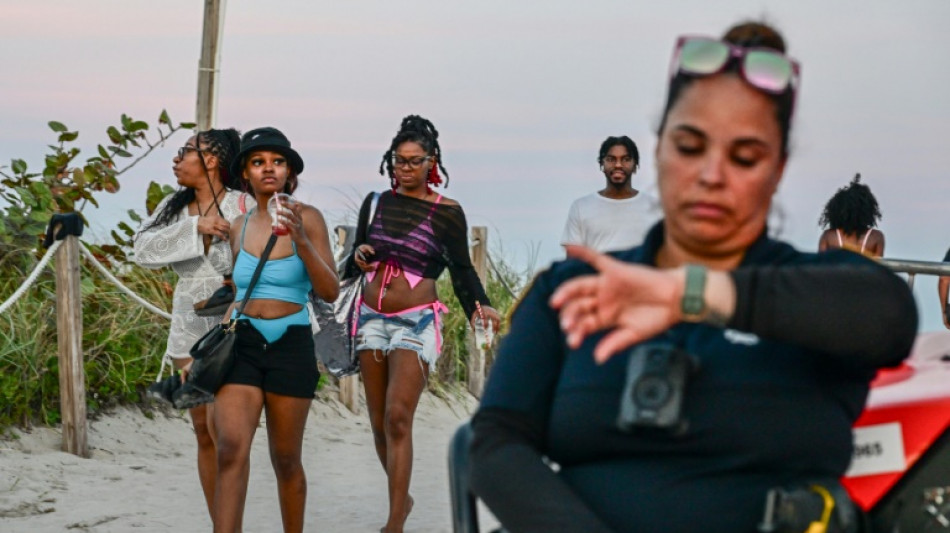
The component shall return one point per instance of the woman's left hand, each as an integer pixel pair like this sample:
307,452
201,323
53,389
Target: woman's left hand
292,217
637,301
490,314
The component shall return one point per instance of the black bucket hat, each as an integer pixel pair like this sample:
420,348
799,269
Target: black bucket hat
266,139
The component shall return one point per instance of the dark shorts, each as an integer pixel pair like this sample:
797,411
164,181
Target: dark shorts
287,366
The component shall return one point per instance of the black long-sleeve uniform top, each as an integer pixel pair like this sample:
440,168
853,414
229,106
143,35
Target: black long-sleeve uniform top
773,402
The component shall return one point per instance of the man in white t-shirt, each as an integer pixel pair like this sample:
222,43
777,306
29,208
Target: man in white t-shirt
614,218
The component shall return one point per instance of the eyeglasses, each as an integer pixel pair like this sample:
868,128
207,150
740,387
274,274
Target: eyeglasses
763,68
413,162
185,149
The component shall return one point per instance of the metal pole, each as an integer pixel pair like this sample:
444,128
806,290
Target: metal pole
208,65
934,268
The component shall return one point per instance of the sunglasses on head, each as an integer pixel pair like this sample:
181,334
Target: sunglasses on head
764,68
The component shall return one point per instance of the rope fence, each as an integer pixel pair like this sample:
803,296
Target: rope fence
31,278
115,281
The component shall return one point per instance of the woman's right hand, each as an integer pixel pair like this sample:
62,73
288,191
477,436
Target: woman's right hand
214,225
185,370
363,255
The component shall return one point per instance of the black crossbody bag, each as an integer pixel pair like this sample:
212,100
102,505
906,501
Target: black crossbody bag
214,351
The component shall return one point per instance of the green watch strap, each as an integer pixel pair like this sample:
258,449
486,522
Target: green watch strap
693,303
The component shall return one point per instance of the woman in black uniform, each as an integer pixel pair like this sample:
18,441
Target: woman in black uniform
675,383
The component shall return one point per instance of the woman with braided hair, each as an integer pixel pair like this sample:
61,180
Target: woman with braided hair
189,233
850,217
403,246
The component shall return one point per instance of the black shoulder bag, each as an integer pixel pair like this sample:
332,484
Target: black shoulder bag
214,351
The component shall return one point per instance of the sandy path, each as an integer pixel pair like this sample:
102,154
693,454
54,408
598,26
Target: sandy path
141,475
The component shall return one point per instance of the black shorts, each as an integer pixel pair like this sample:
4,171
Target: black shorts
287,366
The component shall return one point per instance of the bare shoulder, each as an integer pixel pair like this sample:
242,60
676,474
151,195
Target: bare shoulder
312,214
448,201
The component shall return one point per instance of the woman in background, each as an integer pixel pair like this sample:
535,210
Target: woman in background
851,216
189,233
413,236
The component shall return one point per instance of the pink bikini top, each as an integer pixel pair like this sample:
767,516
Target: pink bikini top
401,254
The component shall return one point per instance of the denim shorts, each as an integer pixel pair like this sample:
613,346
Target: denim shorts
416,330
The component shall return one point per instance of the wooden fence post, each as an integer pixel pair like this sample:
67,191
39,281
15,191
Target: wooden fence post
72,378
476,356
350,392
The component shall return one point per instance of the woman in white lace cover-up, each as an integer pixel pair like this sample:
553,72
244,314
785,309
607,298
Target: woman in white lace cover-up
189,233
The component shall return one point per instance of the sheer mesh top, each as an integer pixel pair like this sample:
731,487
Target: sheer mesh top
421,238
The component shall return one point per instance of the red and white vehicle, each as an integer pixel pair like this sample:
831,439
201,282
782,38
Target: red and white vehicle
900,473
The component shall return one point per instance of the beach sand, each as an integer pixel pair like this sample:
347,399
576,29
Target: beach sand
142,477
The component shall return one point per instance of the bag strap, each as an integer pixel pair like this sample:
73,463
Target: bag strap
372,210
257,271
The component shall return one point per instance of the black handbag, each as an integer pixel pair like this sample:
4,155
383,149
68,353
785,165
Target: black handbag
213,354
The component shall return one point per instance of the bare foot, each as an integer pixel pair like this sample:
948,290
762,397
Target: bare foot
409,504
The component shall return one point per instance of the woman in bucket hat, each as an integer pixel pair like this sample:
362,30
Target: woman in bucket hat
274,369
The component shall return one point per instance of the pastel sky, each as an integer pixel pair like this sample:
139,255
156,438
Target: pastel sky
522,93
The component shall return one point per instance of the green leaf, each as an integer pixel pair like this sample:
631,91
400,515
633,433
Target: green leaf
68,136
103,153
163,118
187,125
84,176
153,197
122,153
25,195
58,127
41,190
19,166
138,125
114,135
127,229
39,216
126,122
135,216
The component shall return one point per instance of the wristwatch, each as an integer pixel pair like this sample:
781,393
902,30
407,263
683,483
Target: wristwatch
693,304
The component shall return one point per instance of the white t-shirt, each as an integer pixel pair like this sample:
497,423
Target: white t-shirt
605,224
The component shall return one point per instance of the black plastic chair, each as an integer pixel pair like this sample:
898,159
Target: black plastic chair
464,507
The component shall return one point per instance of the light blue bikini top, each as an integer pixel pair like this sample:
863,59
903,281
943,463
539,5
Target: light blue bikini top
282,279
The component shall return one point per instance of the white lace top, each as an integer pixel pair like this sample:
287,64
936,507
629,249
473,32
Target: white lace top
180,246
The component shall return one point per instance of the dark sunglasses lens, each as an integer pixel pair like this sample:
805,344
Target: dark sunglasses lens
768,71
703,56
